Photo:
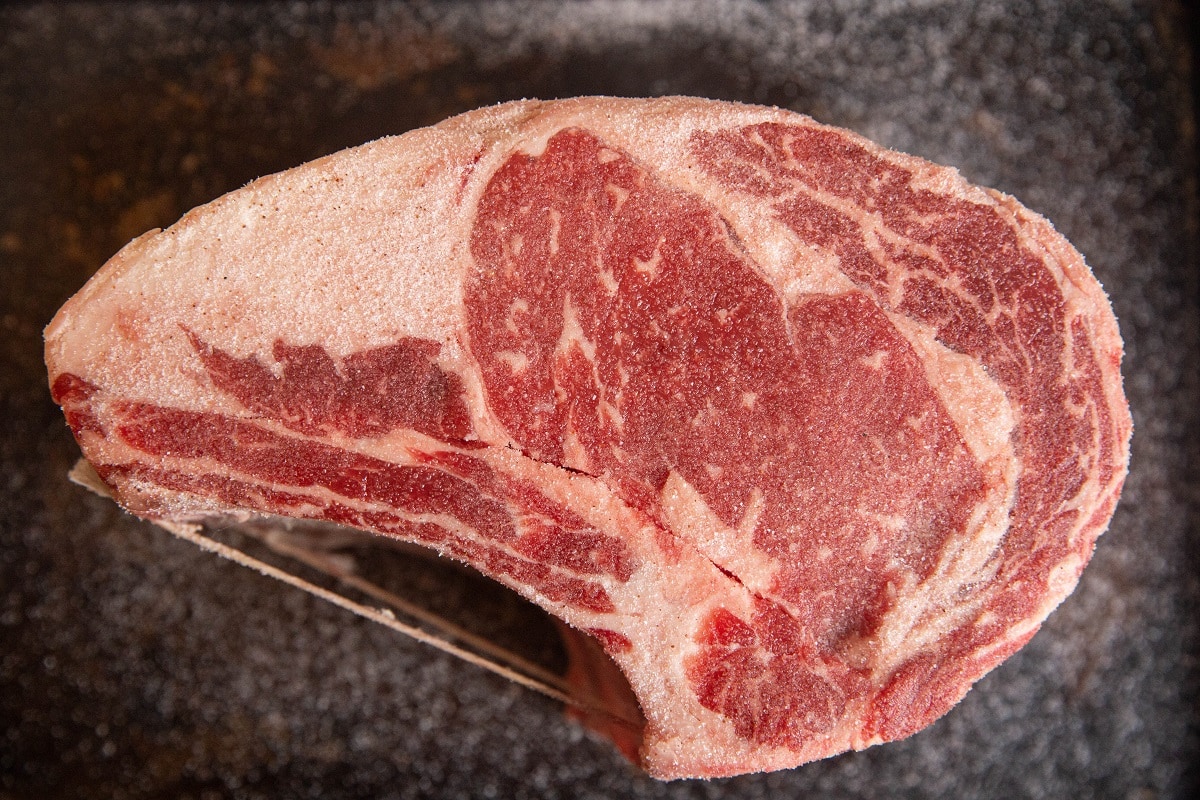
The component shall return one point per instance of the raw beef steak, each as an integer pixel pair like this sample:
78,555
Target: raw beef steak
809,435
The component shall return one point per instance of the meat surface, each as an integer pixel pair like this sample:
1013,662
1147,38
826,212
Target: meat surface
807,434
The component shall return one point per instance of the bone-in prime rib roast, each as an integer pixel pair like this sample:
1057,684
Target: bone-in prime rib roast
809,435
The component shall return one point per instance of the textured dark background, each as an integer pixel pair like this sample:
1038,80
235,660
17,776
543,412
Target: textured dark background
133,665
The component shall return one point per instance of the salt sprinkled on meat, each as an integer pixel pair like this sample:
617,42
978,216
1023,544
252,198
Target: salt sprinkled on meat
808,434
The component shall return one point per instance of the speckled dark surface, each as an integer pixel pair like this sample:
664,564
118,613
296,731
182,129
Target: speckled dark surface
133,665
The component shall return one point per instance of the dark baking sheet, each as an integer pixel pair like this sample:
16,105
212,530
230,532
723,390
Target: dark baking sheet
133,665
